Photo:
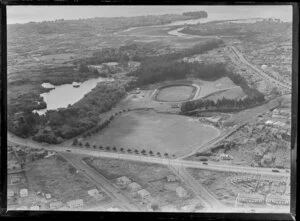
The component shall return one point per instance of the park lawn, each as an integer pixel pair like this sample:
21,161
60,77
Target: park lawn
175,93
174,134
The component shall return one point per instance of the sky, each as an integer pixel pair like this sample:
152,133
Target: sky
24,14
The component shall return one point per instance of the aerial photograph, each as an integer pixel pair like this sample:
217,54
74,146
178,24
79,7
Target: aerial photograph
165,108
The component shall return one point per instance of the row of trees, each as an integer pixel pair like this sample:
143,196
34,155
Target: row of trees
115,149
221,104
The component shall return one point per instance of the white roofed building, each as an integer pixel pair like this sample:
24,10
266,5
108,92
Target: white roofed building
181,192
123,180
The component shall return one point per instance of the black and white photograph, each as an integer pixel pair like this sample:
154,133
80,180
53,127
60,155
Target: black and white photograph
149,108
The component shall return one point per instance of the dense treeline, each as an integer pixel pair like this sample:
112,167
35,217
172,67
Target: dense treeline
221,104
82,116
162,67
197,14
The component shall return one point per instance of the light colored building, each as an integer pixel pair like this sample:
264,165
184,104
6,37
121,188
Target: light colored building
22,208
251,198
15,180
48,196
181,192
75,203
10,193
144,194
172,178
56,205
278,199
93,192
35,207
224,156
23,192
134,186
123,180
113,209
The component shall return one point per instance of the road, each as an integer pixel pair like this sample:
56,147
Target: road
209,201
239,55
100,181
156,160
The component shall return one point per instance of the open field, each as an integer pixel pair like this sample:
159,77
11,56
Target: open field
176,93
233,93
154,131
151,177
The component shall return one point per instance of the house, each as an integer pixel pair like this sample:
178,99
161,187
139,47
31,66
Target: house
144,194
75,203
169,208
23,192
276,199
15,180
10,193
93,192
134,186
56,205
172,178
113,209
251,198
181,192
123,180
22,208
48,196
35,207
225,157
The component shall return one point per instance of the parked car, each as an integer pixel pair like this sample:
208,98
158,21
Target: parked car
276,171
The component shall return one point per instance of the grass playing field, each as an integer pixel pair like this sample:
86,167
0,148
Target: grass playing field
149,130
176,93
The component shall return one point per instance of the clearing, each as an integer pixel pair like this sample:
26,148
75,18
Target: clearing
149,130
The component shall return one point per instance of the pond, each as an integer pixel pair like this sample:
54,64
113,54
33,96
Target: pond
63,95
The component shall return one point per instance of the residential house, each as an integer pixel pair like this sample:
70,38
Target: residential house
48,196
144,194
134,186
181,192
10,193
123,180
276,199
23,192
251,198
93,192
75,203
56,205
35,207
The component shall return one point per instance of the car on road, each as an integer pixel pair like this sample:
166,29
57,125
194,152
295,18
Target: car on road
204,163
68,150
276,171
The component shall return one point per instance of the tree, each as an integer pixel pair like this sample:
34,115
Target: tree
100,147
151,152
129,150
114,148
166,154
108,148
94,146
87,144
80,144
136,151
75,142
122,149
158,153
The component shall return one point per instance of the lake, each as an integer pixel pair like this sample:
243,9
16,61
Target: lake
63,95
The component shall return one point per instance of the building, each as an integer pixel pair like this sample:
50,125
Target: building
35,207
134,187
23,192
75,203
251,198
48,196
15,180
123,180
113,209
276,199
172,178
10,193
144,194
181,192
93,192
224,156
56,205
22,208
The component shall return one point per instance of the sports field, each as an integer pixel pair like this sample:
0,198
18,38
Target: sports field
176,93
149,130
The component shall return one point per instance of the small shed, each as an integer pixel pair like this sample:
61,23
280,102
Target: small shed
123,180
23,192
181,192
